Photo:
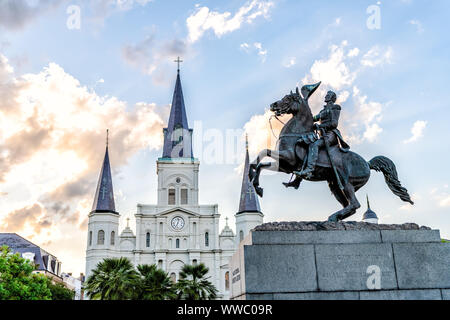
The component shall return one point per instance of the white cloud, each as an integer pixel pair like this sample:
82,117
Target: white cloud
417,131
260,51
290,62
418,25
353,52
377,56
203,19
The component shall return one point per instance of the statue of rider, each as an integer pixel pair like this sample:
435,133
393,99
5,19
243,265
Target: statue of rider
328,122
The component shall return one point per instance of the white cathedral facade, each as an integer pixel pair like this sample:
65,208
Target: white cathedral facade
177,230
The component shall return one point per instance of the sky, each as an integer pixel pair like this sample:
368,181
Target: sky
71,69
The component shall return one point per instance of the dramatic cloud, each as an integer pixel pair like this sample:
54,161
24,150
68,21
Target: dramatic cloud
203,19
361,118
15,14
417,131
52,143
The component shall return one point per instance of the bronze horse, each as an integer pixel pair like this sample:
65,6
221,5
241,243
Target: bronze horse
353,170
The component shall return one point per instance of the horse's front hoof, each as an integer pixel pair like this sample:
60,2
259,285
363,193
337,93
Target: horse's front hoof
259,191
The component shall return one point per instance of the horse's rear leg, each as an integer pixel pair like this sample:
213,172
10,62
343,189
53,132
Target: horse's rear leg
352,206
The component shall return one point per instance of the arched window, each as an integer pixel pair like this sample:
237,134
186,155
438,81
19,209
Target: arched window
171,196
90,238
101,237
160,264
194,262
173,277
147,240
177,243
206,239
227,280
184,196
113,238
241,235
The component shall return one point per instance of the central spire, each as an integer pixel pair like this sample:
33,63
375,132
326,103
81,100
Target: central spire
249,200
104,195
177,135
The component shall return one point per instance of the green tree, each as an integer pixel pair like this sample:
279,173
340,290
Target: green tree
17,281
193,285
60,292
113,279
154,284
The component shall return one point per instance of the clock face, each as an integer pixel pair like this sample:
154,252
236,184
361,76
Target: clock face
177,223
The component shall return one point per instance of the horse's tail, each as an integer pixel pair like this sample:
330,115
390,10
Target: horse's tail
386,166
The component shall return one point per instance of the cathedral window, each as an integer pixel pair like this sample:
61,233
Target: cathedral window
194,262
101,237
173,277
90,238
241,235
113,238
177,243
171,196
160,264
184,196
147,240
227,280
206,239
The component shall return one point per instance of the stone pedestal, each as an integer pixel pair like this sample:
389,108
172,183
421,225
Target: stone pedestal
345,260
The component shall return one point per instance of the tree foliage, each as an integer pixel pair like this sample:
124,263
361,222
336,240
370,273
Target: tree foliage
193,285
113,279
154,284
116,279
17,281
60,292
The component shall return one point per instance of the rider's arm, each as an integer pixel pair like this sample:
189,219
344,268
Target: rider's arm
335,113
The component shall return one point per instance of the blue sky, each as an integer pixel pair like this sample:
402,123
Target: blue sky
117,72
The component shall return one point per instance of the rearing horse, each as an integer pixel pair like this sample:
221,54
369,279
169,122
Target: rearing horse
297,133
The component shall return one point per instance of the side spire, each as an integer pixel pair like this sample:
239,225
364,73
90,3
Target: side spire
249,200
177,135
104,195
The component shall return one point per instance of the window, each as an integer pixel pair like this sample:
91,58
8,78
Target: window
160,264
184,196
90,238
171,196
101,237
113,236
177,243
173,277
241,235
227,280
194,262
206,239
147,240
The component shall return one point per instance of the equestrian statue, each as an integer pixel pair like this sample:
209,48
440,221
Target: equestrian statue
313,149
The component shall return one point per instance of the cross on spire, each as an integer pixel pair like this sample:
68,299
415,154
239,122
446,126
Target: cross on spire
178,61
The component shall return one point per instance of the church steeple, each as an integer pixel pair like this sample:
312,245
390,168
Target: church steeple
104,195
249,200
177,135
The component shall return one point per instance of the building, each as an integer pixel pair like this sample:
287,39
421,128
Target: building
45,262
369,216
177,230
74,284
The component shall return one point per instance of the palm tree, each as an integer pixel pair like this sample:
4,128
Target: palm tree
193,285
154,284
112,279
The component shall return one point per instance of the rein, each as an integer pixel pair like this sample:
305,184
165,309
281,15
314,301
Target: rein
270,123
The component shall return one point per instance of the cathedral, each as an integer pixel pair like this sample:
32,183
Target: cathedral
177,230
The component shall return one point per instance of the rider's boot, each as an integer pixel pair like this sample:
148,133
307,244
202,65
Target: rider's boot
313,154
